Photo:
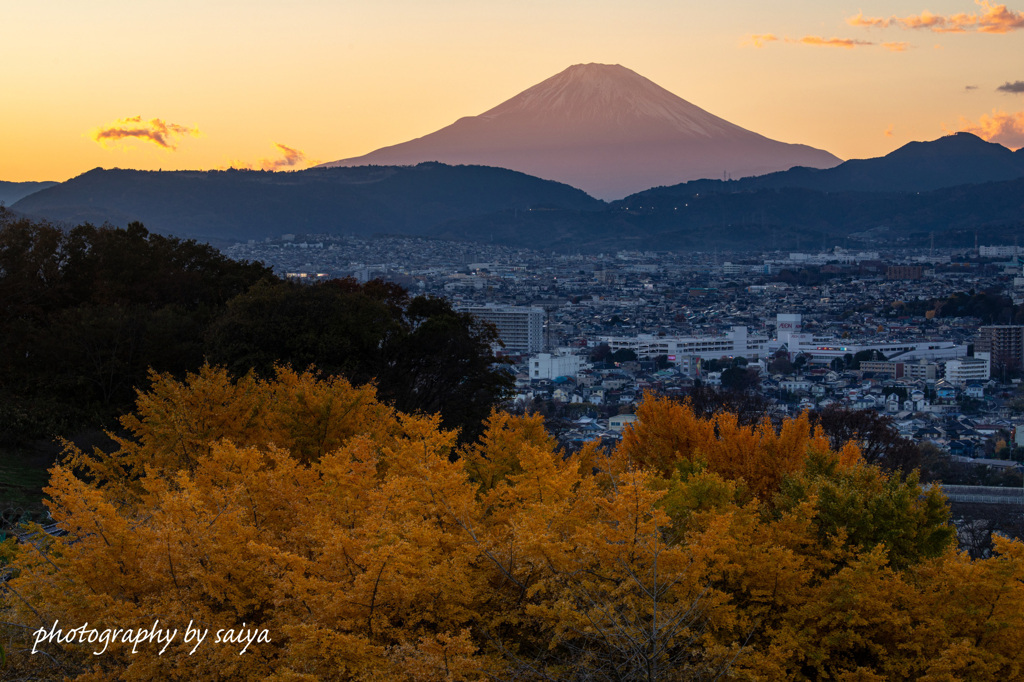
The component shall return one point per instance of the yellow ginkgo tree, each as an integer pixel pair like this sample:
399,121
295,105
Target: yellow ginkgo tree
349,541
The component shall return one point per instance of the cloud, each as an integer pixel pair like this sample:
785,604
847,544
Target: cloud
760,39
998,19
1006,129
818,41
993,19
157,131
927,20
1014,87
970,87
289,158
860,21
888,131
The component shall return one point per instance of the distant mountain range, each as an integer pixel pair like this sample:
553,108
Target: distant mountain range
784,218
946,189
11,192
231,205
958,159
605,129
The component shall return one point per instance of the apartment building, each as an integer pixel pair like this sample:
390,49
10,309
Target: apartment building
1004,343
520,329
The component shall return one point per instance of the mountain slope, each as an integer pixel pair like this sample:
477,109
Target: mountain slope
604,129
228,205
11,192
776,218
958,159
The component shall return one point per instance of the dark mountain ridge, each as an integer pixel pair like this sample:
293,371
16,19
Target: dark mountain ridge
489,204
958,159
782,218
240,205
11,192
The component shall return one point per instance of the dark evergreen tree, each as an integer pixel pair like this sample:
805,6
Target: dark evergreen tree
85,313
422,355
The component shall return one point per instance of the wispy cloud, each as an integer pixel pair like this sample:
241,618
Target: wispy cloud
818,41
1006,129
927,20
760,39
289,158
888,131
861,21
968,88
992,19
1015,87
157,131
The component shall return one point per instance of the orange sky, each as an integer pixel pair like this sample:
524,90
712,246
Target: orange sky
286,84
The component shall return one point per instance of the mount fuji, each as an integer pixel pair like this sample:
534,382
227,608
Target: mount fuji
606,130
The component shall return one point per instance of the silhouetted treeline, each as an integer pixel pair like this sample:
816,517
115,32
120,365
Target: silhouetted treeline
422,355
87,313
84,313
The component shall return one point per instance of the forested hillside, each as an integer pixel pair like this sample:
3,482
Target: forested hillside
943,193
11,192
239,205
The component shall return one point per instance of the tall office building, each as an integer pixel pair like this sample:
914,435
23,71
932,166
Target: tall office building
1004,343
520,329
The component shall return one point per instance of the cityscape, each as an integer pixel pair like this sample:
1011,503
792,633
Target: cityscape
861,330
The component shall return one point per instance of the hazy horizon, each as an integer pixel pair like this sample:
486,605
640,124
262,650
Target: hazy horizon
290,85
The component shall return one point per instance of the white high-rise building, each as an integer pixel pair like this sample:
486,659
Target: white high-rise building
520,329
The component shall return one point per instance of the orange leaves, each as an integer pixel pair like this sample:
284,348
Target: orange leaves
176,423
349,531
440,657
976,612
496,454
312,416
276,503
668,433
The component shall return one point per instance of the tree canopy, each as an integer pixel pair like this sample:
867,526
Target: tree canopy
86,313
372,546
879,441
421,354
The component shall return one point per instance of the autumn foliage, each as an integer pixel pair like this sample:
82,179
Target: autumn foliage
373,547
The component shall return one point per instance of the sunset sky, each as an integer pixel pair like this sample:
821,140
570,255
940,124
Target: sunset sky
275,84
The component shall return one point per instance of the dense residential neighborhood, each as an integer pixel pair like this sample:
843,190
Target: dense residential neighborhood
929,338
